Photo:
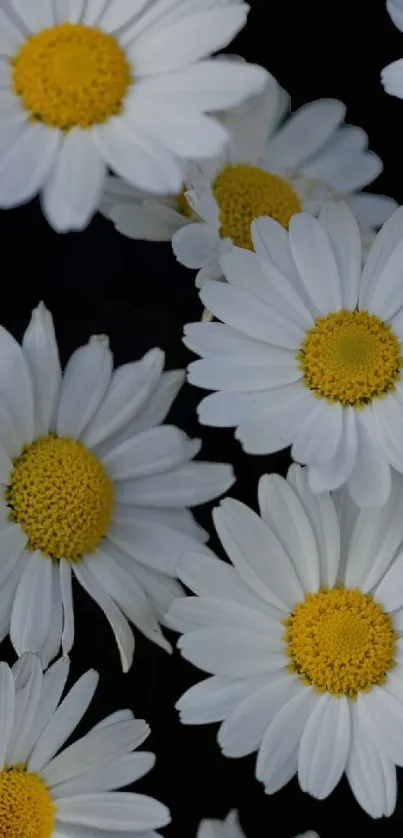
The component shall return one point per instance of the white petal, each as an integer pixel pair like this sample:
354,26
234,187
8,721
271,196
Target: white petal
85,382
140,222
332,475
395,10
11,37
138,158
382,714
28,681
64,721
392,78
325,746
54,639
94,750
12,543
7,595
338,221
154,545
313,255
389,591
192,613
31,615
53,684
187,40
25,164
281,741
151,452
257,554
15,387
387,240
248,314
114,775
272,424
322,514
385,298
370,480
195,245
284,513
244,728
69,10
191,135
7,701
231,652
245,374
304,132
130,388
207,576
387,414
67,601
120,811
213,699
318,438
74,187
372,210
35,18
41,352
118,13
118,623
114,577
188,485
371,775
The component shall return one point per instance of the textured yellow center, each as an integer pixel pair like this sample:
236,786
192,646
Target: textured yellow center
350,357
71,75
340,641
26,808
243,193
61,496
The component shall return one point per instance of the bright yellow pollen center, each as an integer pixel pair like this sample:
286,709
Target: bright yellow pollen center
26,808
61,496
243,193
71,75
350,357
340,641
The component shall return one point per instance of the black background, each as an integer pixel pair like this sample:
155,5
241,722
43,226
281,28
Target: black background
100,282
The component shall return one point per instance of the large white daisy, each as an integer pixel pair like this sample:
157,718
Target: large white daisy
46,792
276,167
392,75
303,638
92,487
311,351
87,84
230,828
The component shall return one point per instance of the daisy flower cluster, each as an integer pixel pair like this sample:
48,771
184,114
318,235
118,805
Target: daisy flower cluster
127,108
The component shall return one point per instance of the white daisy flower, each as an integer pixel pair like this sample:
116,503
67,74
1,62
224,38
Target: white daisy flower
277,166
91,84
230,828
139,215
92,487
302,637
311,351
49,793
392,75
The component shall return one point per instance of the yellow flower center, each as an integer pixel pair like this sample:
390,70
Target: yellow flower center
61,496
26,808
340,641
71,75
243,193
350,357
182,204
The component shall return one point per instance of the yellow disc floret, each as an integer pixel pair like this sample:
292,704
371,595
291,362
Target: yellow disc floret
71,75
245,192
340,641
61,496
350,357
26,808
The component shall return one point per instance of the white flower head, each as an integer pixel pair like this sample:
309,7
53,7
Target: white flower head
309,353
277,165
392,75
92,486
47,792
87,85
230,828
302,636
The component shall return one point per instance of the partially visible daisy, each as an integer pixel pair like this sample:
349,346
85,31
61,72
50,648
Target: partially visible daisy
86,85
309,353
139,215
277,165
230,828
392,75
46,792
92,486
302,636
